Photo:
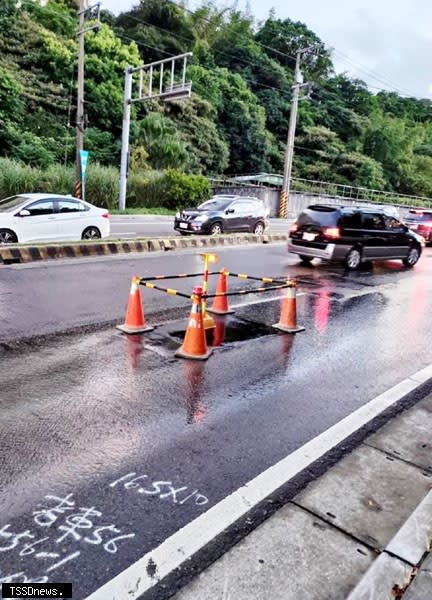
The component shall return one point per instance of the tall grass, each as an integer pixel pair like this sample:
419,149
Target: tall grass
102,183
146,189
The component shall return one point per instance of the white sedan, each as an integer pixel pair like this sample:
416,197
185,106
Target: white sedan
50,217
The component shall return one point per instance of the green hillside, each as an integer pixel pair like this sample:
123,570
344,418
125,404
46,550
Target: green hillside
236,119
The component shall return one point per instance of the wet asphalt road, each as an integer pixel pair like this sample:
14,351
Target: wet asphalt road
84,415
133,226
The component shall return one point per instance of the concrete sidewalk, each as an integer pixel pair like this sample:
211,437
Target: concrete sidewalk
362,531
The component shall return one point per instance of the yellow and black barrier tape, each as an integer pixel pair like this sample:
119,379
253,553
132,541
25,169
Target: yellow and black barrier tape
17,253
169,291
288,284
178,276
263,279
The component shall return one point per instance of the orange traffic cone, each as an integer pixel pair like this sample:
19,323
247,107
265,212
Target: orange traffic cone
220,303
195,344
134,321
288,317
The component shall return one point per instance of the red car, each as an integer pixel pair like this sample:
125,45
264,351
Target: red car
420,220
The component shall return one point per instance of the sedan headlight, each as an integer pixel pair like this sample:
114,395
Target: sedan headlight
177,216
201,219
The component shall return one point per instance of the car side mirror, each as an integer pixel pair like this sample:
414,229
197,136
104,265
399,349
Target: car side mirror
229,211
24,213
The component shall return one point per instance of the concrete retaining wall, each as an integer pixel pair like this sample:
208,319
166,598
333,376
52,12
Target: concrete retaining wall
297,201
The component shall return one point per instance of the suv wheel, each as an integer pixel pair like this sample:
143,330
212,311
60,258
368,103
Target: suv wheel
305,259
259,228
353,259
412,258
216,229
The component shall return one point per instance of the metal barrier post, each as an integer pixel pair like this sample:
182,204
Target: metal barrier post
207,318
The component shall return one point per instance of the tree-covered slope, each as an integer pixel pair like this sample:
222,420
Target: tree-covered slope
237,117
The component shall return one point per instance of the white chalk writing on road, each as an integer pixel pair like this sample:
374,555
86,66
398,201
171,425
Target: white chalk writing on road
67,529
164,489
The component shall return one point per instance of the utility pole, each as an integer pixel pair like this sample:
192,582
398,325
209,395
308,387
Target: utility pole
289,153
80,100
83,12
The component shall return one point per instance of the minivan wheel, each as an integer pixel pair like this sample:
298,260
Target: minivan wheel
216,229
7,237
91,233
353,259
259,228
412,258
305,259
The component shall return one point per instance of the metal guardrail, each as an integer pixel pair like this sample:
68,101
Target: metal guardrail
337,191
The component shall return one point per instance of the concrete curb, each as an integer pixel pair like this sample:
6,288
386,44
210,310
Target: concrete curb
22,254
397,565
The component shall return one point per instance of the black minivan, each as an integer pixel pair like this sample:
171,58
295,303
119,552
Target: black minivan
352,235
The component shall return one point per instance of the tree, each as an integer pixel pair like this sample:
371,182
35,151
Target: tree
160,27
157,136
284,38
106,61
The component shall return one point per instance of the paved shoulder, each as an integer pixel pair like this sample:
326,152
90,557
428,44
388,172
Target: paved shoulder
361,531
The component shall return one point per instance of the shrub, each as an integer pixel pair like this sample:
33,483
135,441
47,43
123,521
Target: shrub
171,189
183,190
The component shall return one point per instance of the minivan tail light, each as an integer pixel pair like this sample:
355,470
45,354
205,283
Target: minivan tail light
105,215
332,232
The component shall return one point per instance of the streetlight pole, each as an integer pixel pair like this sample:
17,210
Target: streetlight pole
124,159
155,80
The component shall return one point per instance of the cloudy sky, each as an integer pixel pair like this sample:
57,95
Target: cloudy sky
387,43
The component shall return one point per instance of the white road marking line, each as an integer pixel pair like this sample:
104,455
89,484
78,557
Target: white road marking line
141,223
263,300
158,350
182,545
124,232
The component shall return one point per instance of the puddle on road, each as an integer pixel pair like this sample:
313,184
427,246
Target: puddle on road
230,329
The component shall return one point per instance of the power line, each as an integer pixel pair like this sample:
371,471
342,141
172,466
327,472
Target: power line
376,76
216,51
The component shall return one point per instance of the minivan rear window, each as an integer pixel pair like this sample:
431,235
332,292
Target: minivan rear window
319,216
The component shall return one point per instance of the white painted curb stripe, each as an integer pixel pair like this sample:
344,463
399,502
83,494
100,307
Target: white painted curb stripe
183,544
414,537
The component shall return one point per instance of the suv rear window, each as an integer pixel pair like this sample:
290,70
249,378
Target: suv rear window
324,216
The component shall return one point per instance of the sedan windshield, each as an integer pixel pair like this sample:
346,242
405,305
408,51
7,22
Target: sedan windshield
215,204
9,204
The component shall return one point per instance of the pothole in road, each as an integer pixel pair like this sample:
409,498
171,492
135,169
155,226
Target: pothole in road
228,330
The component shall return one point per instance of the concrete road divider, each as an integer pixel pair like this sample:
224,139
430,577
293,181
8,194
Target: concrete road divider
16,253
